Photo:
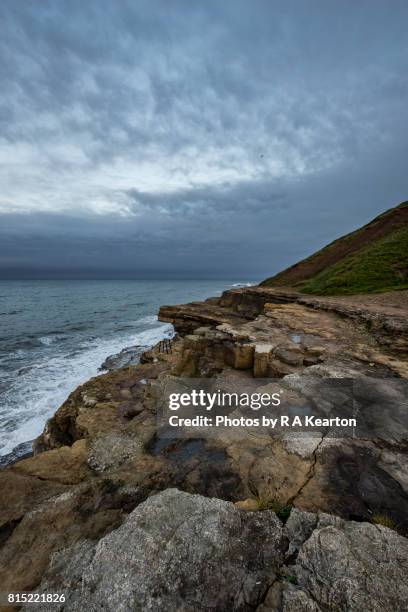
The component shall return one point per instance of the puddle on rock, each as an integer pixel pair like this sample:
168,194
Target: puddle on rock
184,450
295,338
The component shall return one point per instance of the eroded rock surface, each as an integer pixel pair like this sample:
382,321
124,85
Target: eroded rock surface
286,331
101,454
344,565
178,551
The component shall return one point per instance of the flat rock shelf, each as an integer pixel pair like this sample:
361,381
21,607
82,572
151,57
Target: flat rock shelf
106,509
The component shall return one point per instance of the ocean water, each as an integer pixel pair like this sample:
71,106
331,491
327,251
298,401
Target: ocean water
54,335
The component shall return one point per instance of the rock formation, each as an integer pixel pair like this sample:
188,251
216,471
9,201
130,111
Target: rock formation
91,514
178,551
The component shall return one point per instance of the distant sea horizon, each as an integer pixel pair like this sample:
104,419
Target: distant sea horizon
56,333
119,278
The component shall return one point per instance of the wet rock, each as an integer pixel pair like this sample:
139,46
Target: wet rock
21,451
126,357
199,467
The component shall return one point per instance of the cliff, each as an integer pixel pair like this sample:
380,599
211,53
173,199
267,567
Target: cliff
372,258
90,513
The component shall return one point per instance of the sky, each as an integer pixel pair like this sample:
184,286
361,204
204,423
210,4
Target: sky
195,138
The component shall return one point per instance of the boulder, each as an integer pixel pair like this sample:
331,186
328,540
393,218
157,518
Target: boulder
354,567
176,551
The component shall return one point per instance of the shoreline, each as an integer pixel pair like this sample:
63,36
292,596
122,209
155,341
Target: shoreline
128,355
101,462
121,353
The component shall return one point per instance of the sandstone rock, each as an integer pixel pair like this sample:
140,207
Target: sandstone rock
279,368
20,494
56,520
201,331
66,465
129,410
102,457
384,314
304,331
244,356
290,354
262,357
204,356
93,407
188,317
250,504
126,394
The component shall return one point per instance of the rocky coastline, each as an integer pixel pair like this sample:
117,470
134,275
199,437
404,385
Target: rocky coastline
115,517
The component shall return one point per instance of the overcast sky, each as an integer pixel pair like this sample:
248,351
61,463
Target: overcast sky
197,139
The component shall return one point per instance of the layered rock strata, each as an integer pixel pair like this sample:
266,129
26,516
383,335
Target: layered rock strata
100,457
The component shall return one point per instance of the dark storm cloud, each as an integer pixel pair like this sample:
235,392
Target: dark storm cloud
195,138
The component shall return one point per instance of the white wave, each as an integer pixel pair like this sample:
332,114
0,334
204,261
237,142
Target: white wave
36,394
241,285
47,340
147,320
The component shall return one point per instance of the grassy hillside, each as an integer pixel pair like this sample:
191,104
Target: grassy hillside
373,258
380,267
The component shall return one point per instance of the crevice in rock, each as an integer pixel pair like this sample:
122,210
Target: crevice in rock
7,529
310,473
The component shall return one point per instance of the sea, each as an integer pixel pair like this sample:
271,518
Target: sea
55,335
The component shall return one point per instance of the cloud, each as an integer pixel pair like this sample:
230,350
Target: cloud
206,138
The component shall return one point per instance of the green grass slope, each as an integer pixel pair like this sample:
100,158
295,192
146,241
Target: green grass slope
380,267
371,259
